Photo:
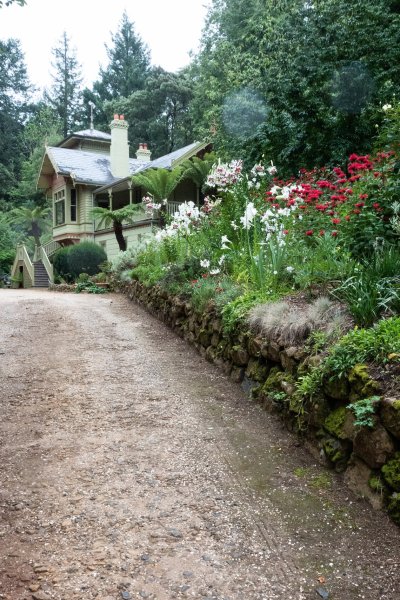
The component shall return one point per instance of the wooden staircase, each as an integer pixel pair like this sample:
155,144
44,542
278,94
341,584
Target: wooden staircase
41,277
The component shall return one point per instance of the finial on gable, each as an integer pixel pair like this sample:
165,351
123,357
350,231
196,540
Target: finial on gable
92,105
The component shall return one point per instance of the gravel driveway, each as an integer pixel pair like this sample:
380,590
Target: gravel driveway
131,468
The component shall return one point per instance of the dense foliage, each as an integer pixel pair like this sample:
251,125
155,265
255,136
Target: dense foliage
71,261
301,81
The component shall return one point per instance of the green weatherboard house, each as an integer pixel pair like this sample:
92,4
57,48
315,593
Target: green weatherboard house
91,168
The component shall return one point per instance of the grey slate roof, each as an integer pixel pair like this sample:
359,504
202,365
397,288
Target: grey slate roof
88,167
90,134
93,133
94,168
166,162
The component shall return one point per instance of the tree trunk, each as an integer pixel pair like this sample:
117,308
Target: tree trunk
119,236
36,233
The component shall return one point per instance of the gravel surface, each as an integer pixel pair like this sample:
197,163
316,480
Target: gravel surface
131,468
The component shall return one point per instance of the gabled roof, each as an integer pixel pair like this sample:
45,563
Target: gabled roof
93,168
87,167
174,158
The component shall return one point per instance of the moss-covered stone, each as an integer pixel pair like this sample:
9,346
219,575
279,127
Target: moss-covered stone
335,421
275,379
337,452
256,370
318,411
390,415
340,423
239,356
204,338
361,383
391,472
337,388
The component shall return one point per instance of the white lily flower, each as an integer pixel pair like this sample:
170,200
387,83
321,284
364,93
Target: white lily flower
250,213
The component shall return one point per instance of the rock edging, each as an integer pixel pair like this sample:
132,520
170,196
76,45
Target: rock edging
369,457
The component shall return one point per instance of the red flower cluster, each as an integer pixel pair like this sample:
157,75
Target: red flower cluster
320,199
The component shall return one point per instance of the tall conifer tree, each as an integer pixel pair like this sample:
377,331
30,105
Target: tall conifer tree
65,95
14,92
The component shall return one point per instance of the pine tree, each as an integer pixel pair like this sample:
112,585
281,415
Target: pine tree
14,92
126,73
65,95
129,61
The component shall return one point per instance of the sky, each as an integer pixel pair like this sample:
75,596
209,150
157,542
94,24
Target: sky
170,28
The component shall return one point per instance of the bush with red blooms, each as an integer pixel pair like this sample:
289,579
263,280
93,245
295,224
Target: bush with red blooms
357,206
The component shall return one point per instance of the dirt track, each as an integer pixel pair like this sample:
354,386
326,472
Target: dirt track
131,468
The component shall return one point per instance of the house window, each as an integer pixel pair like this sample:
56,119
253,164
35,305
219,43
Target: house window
137,195
59,207
73,204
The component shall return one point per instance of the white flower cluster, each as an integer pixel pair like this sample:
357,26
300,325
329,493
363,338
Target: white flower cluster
182,221
206,263
256,174
223,175
149,204
210,204
273,225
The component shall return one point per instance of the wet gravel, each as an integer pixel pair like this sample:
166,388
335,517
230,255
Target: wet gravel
131,468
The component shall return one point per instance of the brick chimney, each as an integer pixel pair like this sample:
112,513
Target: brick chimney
143,154
119,151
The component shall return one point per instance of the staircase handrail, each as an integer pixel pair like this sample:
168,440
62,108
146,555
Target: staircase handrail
22,255
41,254
51,247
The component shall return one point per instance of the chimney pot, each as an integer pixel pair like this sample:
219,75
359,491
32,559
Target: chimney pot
143,154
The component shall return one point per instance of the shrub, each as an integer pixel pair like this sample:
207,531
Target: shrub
85,257
124,261
60,263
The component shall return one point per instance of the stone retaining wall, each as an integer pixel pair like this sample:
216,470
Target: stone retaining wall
369,457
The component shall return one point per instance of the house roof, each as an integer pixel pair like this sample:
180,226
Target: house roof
85,134
93,168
